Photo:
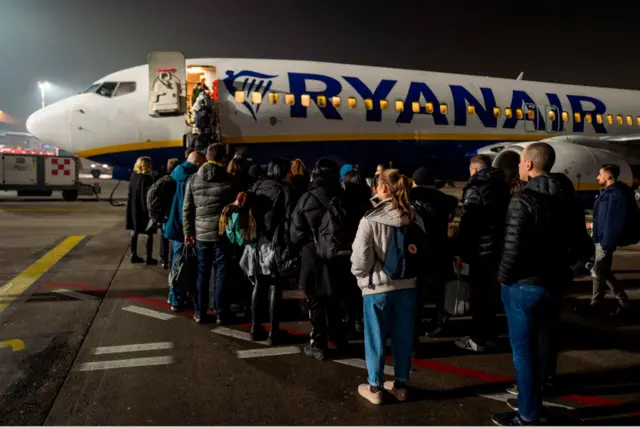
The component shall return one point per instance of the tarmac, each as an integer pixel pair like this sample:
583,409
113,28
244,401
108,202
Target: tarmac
87,338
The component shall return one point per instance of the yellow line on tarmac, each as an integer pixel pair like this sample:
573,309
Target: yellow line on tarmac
16,286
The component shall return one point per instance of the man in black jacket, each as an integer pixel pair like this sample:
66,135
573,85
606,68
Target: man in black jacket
484,202
208,192
437,210
535,266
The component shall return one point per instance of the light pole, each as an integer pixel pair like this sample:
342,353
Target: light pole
43,88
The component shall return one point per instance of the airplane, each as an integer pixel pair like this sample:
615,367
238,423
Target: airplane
350,113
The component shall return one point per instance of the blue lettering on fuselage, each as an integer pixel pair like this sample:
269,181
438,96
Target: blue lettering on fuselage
420,92
381,92
462,98
598,108
298,86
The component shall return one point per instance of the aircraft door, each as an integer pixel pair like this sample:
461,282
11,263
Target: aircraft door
167,84
530,117
552,118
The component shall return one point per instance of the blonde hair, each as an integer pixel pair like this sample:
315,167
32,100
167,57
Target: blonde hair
142,166
398,186
297,167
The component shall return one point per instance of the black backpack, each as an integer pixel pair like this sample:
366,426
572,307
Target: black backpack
334,238
160,198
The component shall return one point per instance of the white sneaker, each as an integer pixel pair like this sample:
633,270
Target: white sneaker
467,343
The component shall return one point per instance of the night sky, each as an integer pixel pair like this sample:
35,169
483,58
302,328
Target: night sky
71,43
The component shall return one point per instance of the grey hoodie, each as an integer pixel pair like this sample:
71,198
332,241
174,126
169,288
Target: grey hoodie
370,247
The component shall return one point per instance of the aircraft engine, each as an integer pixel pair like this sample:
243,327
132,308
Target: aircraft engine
578,162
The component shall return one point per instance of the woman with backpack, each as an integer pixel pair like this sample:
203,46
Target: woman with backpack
387,239
138,211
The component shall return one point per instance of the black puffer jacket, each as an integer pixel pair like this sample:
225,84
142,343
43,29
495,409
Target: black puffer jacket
540,226
484,201
208,192
274,205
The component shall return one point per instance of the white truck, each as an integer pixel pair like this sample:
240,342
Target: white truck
37,174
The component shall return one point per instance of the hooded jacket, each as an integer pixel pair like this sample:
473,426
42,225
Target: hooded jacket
181,175
484,203
208,192
371,244
539,230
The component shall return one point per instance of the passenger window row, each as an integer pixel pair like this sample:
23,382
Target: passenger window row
336,101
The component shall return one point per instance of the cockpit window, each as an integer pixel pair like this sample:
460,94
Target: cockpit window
125,88
92,88
107,88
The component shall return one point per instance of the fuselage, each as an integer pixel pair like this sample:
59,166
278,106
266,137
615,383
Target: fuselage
355,114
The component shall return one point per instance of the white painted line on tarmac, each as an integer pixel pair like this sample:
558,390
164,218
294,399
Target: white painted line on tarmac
76,295
504,396
361,363
133,347
125,363
147,312
268,352
227,332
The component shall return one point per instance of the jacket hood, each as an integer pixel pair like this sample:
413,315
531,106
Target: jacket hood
425,194
326,184
184,171
384,213
489,174
549,184
212,172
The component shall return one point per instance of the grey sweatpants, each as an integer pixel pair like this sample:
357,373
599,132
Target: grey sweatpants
603,277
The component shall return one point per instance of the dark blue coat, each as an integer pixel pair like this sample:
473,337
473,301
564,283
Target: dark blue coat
181,175
609,215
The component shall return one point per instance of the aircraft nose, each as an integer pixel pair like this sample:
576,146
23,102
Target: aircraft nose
49,124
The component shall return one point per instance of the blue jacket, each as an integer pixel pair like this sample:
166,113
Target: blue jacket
609,215
173,227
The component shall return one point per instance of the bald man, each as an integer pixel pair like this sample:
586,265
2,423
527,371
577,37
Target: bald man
534,268
173,227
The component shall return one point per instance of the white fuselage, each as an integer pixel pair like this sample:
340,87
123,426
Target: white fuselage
353,113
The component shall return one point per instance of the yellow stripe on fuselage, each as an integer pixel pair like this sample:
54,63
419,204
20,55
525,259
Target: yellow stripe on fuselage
150,145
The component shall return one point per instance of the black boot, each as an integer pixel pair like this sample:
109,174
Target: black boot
150,260
135,259
257,332
274,321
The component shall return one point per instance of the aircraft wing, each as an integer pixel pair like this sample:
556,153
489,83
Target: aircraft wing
625,145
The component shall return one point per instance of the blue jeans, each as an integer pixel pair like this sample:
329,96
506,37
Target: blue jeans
395,309
212,254
177,297
530,314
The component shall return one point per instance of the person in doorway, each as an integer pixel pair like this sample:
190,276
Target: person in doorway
388,304
534,268
138,211
484,205
208,192
609,218
173,229
198,88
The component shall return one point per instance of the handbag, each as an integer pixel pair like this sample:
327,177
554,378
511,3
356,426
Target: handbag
457,296
184,273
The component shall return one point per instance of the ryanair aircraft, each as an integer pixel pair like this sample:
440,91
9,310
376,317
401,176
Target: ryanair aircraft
354,114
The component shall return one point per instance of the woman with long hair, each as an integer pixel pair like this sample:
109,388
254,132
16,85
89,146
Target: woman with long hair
137,210
388,304
298,177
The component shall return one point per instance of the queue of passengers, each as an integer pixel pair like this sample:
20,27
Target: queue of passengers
367,255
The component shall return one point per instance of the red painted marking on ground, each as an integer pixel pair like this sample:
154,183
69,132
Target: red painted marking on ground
421,363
